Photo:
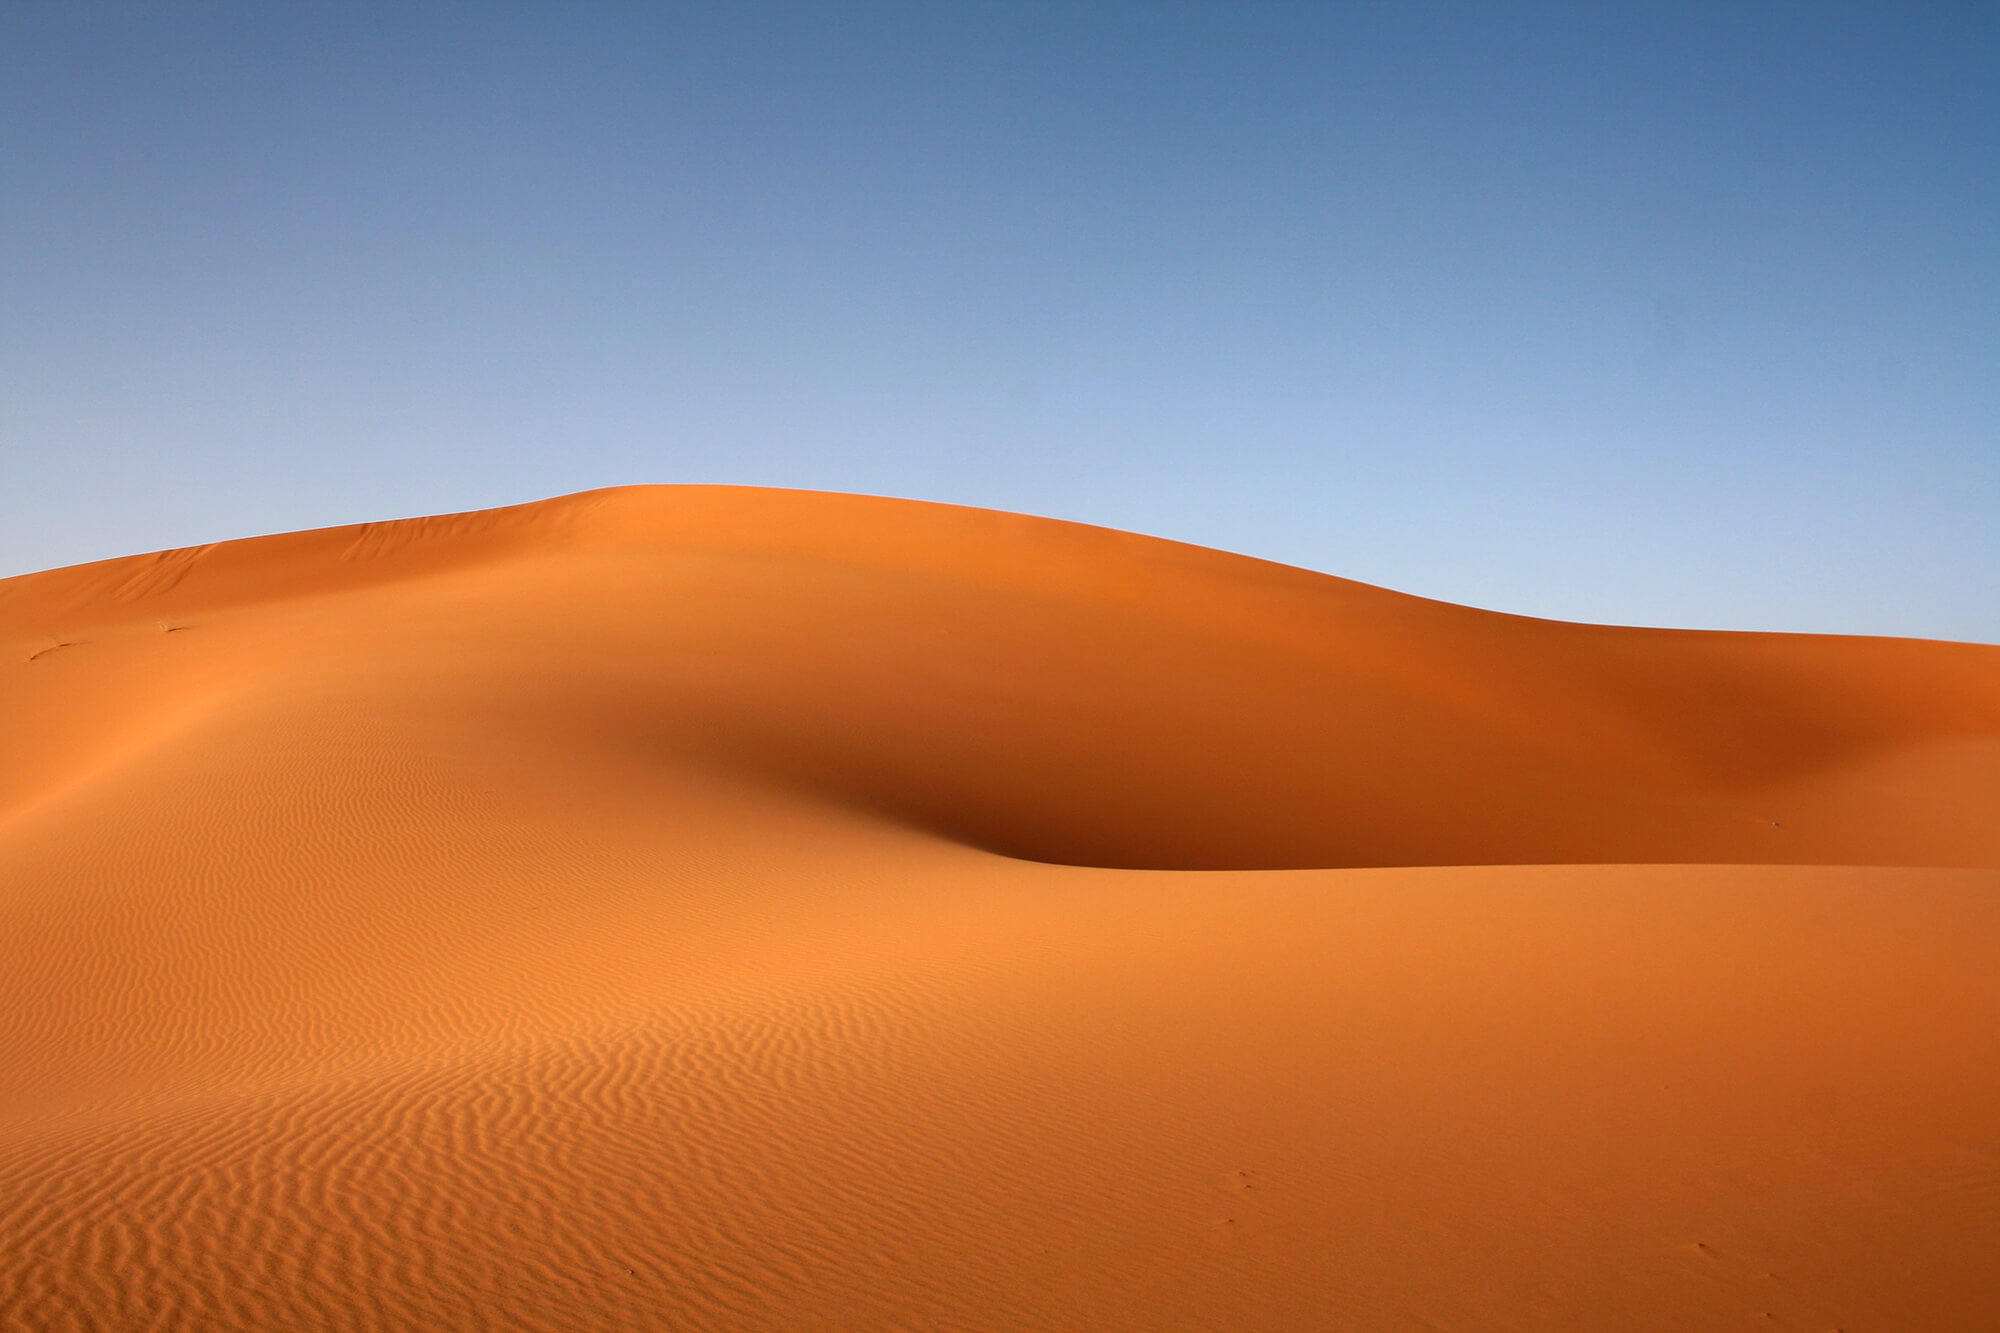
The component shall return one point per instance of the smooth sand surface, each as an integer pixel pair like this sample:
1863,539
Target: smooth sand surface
715,908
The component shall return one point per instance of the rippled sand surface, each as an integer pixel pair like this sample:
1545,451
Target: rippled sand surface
714,908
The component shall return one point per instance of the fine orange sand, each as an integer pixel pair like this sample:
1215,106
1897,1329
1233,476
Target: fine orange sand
714,908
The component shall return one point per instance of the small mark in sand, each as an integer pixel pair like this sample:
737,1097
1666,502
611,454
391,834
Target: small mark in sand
67,643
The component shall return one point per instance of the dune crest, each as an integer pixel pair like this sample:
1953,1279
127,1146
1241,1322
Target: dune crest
1074,695
710,907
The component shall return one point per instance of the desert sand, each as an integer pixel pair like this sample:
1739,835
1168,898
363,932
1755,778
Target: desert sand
718,908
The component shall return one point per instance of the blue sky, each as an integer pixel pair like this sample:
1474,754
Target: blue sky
1681,314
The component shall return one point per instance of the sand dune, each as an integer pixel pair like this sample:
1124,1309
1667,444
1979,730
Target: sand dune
692,907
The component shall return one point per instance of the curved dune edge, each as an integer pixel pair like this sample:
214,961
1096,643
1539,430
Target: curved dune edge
1051,691
719,908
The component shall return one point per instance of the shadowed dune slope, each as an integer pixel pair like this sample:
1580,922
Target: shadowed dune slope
713,908
1046,690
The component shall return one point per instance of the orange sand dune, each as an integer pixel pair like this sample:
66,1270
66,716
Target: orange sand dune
713,908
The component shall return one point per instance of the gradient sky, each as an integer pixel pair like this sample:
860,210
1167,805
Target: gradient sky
1681,314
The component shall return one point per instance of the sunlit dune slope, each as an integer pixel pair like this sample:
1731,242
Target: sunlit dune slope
713,908
1045,690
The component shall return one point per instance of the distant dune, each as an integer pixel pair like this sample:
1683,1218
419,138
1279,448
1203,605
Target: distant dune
718,908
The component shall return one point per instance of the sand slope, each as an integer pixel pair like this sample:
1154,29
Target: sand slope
718,908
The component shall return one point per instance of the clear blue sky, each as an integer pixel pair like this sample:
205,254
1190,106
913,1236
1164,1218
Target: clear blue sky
1681,314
